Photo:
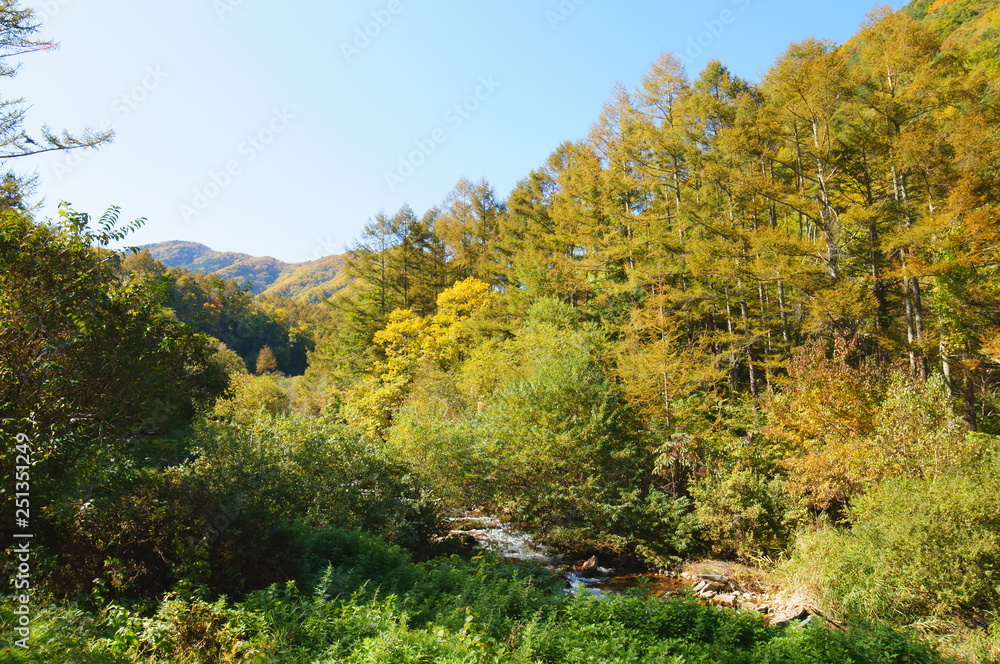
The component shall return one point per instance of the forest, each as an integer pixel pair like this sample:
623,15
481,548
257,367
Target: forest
755,322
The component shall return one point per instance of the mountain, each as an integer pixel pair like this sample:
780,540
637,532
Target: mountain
312,281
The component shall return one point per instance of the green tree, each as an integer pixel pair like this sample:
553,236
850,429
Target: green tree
90,361
469,226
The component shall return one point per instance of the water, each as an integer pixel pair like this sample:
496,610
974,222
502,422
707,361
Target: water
506,542
492,535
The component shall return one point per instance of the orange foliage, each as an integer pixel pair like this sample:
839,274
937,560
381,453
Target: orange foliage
826,416
939,4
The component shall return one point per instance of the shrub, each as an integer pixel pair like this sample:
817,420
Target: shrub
448,610
313,469
533,425
919,551
846,428
152,529
745,513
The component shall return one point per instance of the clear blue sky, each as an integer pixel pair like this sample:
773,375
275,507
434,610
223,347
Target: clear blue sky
269,128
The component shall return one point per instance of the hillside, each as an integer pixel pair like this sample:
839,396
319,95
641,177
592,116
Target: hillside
309,281
972,26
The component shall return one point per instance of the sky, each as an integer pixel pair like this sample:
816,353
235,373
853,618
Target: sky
280,129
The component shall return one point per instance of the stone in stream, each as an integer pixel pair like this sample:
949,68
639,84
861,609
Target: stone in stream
590,568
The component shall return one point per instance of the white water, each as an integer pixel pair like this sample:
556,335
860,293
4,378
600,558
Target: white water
506,542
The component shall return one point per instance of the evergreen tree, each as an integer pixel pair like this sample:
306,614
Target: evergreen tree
266,362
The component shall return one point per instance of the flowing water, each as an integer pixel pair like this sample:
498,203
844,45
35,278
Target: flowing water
493,535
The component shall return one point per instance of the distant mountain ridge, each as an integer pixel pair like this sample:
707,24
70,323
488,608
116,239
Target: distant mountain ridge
312,281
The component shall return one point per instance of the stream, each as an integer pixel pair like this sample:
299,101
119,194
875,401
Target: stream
492,535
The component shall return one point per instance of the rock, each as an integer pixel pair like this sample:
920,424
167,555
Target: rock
714,578
763,609
807,621
726,600
708,593
715,585
789,616
588,567
698,587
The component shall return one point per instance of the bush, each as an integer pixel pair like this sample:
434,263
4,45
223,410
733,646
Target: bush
875,644
479,612
149,530
744,513
313,469
919,551
238,517
846,428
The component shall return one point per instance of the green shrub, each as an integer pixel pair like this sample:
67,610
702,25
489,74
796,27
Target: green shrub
874,645
534,425
448,610
314,469
919,551
744,513
147,530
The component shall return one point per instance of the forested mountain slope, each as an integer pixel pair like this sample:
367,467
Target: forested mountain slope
311,281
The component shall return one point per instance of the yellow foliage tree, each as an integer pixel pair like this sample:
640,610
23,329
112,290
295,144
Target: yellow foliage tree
409,341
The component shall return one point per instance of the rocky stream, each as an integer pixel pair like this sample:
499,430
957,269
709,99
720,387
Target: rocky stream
716,582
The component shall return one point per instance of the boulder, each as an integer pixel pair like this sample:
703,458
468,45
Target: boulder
714,578
726,600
